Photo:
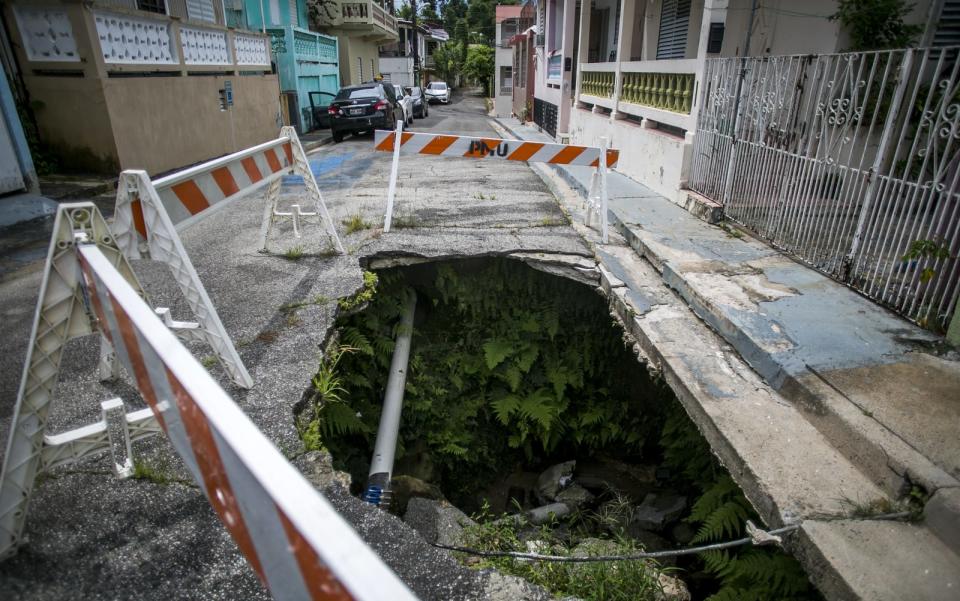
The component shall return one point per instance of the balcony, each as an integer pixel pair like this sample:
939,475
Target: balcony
661,91
366,18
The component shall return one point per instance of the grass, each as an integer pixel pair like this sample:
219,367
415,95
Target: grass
151,473
356,223
208,361
595,581
732,232
403,221
363,296
552,221
294,253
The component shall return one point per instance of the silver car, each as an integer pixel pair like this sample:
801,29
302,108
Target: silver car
437,91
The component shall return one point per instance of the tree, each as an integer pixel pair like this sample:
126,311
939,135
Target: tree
447,60
876,24
405,12
479,66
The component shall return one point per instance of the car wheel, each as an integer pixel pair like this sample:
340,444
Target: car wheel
338,136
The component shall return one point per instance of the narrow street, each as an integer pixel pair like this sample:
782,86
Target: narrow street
93,536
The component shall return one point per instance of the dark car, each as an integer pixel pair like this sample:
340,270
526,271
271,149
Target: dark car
421,108
363,108
319,102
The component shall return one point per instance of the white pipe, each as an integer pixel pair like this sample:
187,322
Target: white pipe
385,448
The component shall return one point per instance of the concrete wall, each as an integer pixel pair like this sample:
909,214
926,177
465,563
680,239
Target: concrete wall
656,159
150,132
398,69
352,49
502,102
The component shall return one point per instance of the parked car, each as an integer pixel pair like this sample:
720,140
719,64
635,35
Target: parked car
406,102
319,101
421,108
437,91
364,107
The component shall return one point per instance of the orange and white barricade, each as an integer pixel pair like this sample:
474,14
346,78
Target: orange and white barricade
292,537
473,147
150,213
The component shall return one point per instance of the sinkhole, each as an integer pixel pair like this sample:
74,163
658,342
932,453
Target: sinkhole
522,392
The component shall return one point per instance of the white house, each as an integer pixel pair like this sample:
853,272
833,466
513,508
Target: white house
396,59
632,70
507,18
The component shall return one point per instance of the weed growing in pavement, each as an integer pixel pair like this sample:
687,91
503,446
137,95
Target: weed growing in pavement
551,221
208,361
151,473
597,581
404,221
267,336
363,296
356,223
294,253
732,232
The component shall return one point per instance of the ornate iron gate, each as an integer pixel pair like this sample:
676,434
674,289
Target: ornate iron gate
849,161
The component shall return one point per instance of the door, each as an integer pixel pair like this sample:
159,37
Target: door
11,179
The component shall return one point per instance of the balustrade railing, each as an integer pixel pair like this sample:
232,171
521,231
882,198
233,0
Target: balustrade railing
598,83
665,91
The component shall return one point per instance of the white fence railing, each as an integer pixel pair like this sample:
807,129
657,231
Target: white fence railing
849,161
291,536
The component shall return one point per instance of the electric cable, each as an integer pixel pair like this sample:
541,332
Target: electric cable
760,537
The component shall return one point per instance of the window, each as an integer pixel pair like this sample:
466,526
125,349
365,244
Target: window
556,25
508,29
201,10
153,6
674,22
715,39
506,80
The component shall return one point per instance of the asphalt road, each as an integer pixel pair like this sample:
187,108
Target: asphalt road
91,536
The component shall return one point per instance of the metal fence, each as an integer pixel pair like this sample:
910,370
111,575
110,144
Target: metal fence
849,161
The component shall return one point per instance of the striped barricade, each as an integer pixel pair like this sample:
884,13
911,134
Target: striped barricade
149,214
292,537
400,142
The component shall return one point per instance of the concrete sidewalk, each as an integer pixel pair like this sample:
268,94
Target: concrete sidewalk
881,390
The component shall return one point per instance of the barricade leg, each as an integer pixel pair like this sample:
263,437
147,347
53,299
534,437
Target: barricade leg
62,314
301,167
604,236
137,196
391,191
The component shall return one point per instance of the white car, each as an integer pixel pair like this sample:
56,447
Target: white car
406,101
437,91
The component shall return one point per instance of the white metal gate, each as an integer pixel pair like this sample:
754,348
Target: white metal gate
849,161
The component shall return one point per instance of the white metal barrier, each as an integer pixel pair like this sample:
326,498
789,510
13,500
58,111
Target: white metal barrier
293,538
473,147
150,213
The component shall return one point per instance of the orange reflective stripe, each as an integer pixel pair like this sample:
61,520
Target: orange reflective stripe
288,151
136,361
253,172
612,156
387,143
438,145
215,479
525,151
190,196
272,160
567,155
225,181
94,299
138,222
321,583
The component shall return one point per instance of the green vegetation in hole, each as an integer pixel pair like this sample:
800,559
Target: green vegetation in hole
362,297
600,581
356,223
294,253
720,513
508,365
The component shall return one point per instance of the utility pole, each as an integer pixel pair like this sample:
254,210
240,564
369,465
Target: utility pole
416,49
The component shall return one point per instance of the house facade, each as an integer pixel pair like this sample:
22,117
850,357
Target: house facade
307,62
397,58
524,49
507,27
632,70
119,84
361,27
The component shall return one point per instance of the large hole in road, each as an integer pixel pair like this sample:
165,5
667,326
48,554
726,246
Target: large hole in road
522,392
